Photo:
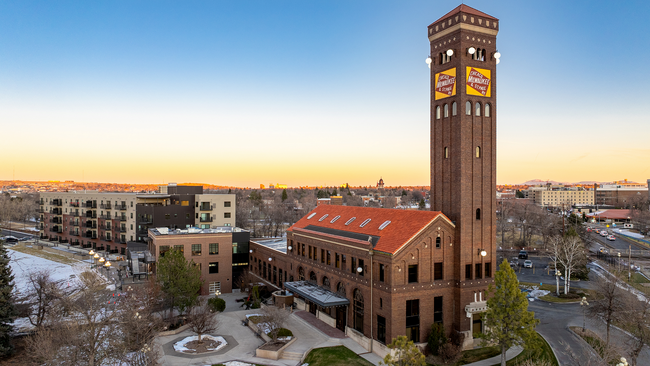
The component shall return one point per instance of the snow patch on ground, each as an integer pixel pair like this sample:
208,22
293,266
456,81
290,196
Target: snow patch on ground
180,345
237,363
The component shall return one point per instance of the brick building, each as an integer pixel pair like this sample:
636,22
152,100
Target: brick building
381,273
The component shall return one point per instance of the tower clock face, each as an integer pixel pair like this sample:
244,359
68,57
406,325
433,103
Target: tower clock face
478,82
445,84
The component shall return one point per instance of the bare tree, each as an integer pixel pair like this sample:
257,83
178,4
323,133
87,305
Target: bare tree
569,253
389,202
42,297
275,319
244,281
202,320
611,306
637,323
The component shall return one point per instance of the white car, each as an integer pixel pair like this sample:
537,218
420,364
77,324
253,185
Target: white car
611,237
604,233
528,263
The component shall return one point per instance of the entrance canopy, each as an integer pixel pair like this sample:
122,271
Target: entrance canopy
316,294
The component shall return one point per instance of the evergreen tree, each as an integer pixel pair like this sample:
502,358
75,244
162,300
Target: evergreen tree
7,309
334,193
179,279
406,354
423,205
508,322
284,195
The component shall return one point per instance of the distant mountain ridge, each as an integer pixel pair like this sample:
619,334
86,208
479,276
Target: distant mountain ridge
540,182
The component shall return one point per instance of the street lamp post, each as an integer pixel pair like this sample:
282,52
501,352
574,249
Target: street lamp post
91,253
583,304
619,261
96,257
623,362
557,281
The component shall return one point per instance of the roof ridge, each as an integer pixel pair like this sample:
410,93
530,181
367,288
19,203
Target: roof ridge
464,9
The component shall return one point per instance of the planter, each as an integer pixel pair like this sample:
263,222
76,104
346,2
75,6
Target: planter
273,355
175,331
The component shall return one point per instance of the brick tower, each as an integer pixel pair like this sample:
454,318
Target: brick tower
463,62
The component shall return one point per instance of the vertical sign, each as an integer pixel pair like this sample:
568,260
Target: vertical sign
478,82
445,84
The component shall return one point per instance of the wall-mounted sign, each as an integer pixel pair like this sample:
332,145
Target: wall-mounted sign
445,84
478,82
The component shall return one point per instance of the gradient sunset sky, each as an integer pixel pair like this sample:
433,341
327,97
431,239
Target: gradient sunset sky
309,92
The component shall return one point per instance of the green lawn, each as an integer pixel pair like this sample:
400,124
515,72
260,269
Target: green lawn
473,355
544,352
637,278
339,355
596,343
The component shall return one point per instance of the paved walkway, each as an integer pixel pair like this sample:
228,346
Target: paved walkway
320,325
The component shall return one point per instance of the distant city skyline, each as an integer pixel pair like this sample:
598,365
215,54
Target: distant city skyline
308,94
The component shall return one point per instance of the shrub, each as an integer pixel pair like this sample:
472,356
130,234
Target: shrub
283,332
436,338
449,352
217,304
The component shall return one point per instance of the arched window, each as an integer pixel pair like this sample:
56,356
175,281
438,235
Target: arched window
446,110
301,274
312,277
478,151
326,283
340,289
478,213
454,109
446,153
487,110
468,108
438,242
358,311
438,112
478,109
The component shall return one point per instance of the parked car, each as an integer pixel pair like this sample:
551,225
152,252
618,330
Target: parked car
514,262
10,239
523,254
604,250
528,263
611,237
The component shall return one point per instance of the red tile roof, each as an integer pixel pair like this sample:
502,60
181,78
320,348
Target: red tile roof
467,10
404,224
615,214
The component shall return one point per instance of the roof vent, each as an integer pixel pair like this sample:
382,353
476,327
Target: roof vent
334,219
365,223
312,215
323,218
382,226
350,221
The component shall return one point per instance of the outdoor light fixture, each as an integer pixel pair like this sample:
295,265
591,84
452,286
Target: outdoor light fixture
359,269
250,250
498,61
270,259
471,50
107,265
289,247
428,61
102,260
450,52
497,55
482,252
91,253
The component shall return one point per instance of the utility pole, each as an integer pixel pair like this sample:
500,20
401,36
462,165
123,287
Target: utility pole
629,263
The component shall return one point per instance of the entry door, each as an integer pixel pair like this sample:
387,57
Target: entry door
340,318
477,325
312,308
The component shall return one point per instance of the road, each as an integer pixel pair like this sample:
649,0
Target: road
17,234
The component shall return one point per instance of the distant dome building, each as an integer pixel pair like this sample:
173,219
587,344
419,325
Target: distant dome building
380,184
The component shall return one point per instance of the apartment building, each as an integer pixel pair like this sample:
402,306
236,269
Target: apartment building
620,194
552,197
221,253
107,221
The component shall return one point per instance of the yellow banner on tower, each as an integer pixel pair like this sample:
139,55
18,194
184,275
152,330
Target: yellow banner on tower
445,84
478,82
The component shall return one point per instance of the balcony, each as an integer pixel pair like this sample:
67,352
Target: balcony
56,220
107,227
107,238
145,221
76,242
105,206
57,211
41,210
105,217
122,218
205,219
91,214
56,229
206,207
63,240
43,237
123,229
75,214
121,241
90,235
75,233
90,225
120,207
74,204
90,204
74,223
57,202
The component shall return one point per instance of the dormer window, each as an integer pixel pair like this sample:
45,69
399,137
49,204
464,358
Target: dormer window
365,222
323,218
312,215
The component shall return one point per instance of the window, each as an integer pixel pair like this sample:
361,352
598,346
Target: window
363,269
454,108
353,267
468,108
310,252
438,112
468,271
478,109
214,248
226,204
323,218
312,215
479,270
478,213
478,151
437,309
487,110
335,218
365,222
315,256
337,264
488,270
413,273
303,250
358,310
213,267
350,221
196,249
167,216
437,271
438,242
180,247
446,152
329,259
322,255
214,287
383,226
226,215
381,272
446,110
162,250
413,320
187,216
381,303
381,329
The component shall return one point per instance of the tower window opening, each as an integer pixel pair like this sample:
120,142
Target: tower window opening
454,109
479,55
468,108
446,110
444,58
446,152
478,213
478,109
478,151
487,110
438,112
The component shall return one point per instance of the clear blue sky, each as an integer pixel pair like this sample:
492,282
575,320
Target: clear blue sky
307,92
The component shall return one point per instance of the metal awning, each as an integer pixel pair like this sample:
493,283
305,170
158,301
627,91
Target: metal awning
316,294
